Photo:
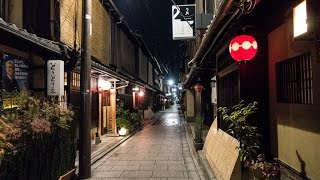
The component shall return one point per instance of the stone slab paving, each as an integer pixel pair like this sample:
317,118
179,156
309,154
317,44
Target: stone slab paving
159,152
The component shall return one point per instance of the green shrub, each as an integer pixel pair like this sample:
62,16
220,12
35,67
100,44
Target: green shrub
198,126
135,119
126,119
123,116
41,138
123,123
242,130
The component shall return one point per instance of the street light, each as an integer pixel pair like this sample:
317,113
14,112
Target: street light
170,82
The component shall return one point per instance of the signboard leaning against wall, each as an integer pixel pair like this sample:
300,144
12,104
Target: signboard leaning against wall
14,76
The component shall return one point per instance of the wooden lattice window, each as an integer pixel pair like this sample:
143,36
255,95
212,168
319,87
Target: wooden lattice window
294,80
75,79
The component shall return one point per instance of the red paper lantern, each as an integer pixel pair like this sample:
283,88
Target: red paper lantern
243,47
198,88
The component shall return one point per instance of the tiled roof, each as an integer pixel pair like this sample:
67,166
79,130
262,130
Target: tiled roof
24,34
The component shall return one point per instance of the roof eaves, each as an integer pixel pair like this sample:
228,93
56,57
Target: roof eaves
208,39
49,45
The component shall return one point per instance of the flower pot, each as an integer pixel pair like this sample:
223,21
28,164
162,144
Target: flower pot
123,131
198,145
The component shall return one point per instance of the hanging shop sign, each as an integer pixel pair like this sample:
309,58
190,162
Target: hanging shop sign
183,21
55,78
243,47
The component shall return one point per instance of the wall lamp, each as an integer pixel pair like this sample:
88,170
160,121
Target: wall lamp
104,85
135,89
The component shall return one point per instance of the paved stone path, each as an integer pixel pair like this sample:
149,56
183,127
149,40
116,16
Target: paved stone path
159,151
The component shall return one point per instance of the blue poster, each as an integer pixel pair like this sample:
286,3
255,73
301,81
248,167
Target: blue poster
14,78
14,73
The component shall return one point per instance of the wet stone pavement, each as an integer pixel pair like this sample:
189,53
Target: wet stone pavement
159,151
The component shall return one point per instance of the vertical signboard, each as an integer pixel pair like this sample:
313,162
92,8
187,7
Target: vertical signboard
55,78
183,21
15,73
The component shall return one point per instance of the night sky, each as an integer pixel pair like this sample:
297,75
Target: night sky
152,20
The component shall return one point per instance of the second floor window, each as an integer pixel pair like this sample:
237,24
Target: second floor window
75,79
3,8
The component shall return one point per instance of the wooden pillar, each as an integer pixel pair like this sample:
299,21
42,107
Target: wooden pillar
104,111
113,109
190,109
100,113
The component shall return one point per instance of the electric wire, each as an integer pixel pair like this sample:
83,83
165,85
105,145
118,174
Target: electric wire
148,7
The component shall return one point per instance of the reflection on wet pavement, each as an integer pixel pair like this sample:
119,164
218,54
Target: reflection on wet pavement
169,118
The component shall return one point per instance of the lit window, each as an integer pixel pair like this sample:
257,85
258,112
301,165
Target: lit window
65,78
300,19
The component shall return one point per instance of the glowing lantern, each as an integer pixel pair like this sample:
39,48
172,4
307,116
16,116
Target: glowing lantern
123,131
198,88
104,85
243,47
141,93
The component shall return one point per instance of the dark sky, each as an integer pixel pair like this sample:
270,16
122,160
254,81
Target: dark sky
152,20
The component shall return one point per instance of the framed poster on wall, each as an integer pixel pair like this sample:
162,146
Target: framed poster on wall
15,78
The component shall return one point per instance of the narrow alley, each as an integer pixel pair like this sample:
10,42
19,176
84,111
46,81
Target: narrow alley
159,151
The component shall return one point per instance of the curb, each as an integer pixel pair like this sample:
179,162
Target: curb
206,165
195,156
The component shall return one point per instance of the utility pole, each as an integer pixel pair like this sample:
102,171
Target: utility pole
85,106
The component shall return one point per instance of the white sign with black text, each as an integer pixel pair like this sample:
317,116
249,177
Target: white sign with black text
55,77
183,21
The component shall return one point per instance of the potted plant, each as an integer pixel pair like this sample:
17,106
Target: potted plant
124,124
135,119
198,127
262,169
